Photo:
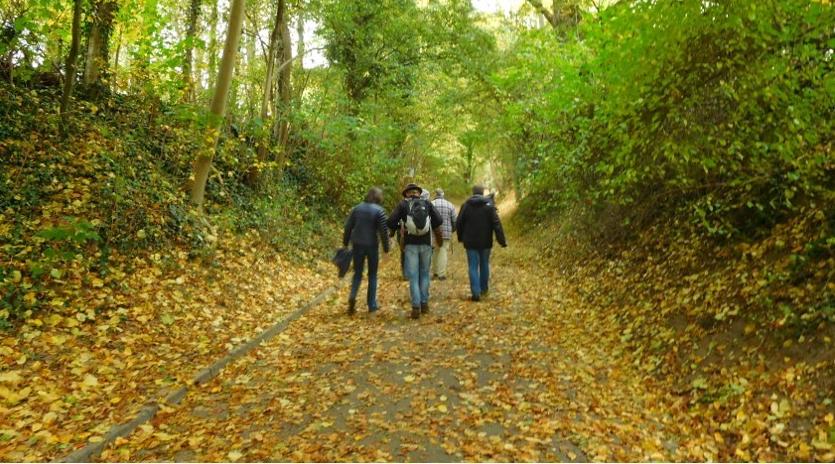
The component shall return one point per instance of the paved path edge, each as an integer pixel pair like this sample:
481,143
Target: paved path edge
147,412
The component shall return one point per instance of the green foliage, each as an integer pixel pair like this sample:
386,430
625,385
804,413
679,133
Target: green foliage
722,110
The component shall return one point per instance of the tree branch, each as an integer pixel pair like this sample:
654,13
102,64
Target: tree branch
550,16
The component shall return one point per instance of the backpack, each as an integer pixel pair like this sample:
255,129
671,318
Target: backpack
417,217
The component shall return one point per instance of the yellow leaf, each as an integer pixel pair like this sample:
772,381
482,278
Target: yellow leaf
10,377
234,455
90,381
409,378
442,408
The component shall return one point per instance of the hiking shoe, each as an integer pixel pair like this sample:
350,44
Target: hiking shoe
415,312
352,307
424,308
475,298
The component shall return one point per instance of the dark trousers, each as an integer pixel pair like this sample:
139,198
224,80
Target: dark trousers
361,255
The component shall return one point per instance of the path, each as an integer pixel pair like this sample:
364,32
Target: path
517,377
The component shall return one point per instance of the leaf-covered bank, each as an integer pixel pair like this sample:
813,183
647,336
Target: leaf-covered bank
738,336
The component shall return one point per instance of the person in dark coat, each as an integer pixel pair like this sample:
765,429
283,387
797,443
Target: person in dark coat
477,222
421,221
365,229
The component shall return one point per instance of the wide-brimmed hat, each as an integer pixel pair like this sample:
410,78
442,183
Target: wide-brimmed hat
411,187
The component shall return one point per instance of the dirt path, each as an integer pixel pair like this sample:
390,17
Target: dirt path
517,377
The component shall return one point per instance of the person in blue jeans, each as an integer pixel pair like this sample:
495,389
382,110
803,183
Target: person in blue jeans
477,222
364,229
420,221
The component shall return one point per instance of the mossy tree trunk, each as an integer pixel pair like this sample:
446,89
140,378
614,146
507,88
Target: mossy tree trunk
203,163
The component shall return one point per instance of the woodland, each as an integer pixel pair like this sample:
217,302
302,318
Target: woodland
174,175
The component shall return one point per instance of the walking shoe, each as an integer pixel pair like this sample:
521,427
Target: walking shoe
424,308
415,312
475,298
352,307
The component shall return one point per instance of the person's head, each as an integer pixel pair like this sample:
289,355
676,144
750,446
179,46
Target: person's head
412,191
424,194
374,195
439,193
478,190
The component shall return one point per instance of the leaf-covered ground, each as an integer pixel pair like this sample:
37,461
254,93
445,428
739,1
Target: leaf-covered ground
72,374
520,376
546,368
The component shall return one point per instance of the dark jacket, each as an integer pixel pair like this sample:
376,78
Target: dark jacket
366,223
477,221
399,215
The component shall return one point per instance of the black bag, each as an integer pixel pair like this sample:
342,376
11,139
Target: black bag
342,259
417,217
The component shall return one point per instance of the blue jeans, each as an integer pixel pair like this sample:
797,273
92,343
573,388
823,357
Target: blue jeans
478,264
418,258
361,253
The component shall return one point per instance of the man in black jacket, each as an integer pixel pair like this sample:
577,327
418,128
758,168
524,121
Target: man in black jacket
421,220
364,227
477,221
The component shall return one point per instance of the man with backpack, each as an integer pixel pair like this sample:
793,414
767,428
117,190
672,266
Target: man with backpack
421,220
447,212
476,224
365,228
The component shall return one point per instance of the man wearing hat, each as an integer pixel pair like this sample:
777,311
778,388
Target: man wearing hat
421,221
447,212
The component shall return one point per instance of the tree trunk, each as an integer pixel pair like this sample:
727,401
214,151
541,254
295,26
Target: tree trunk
203,163
266,99
188,55
281,126
213,44
98,42
251,90
300,41
72,61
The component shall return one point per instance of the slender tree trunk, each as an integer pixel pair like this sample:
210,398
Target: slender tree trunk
188,55
118,51
72,61
266,99
213,44
251,91
300,41
203,163
98,42
281,126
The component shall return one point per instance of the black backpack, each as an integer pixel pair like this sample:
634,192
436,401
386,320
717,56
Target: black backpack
417,217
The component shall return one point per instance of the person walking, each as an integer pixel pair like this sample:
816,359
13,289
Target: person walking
447,212
477,221
365,228
421,220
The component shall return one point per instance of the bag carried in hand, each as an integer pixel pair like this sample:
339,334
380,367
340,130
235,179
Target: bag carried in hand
342,259
417,217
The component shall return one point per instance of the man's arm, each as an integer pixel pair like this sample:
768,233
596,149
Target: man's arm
452,218
459,223
349,226
436,221
394,218
383,230
497,227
